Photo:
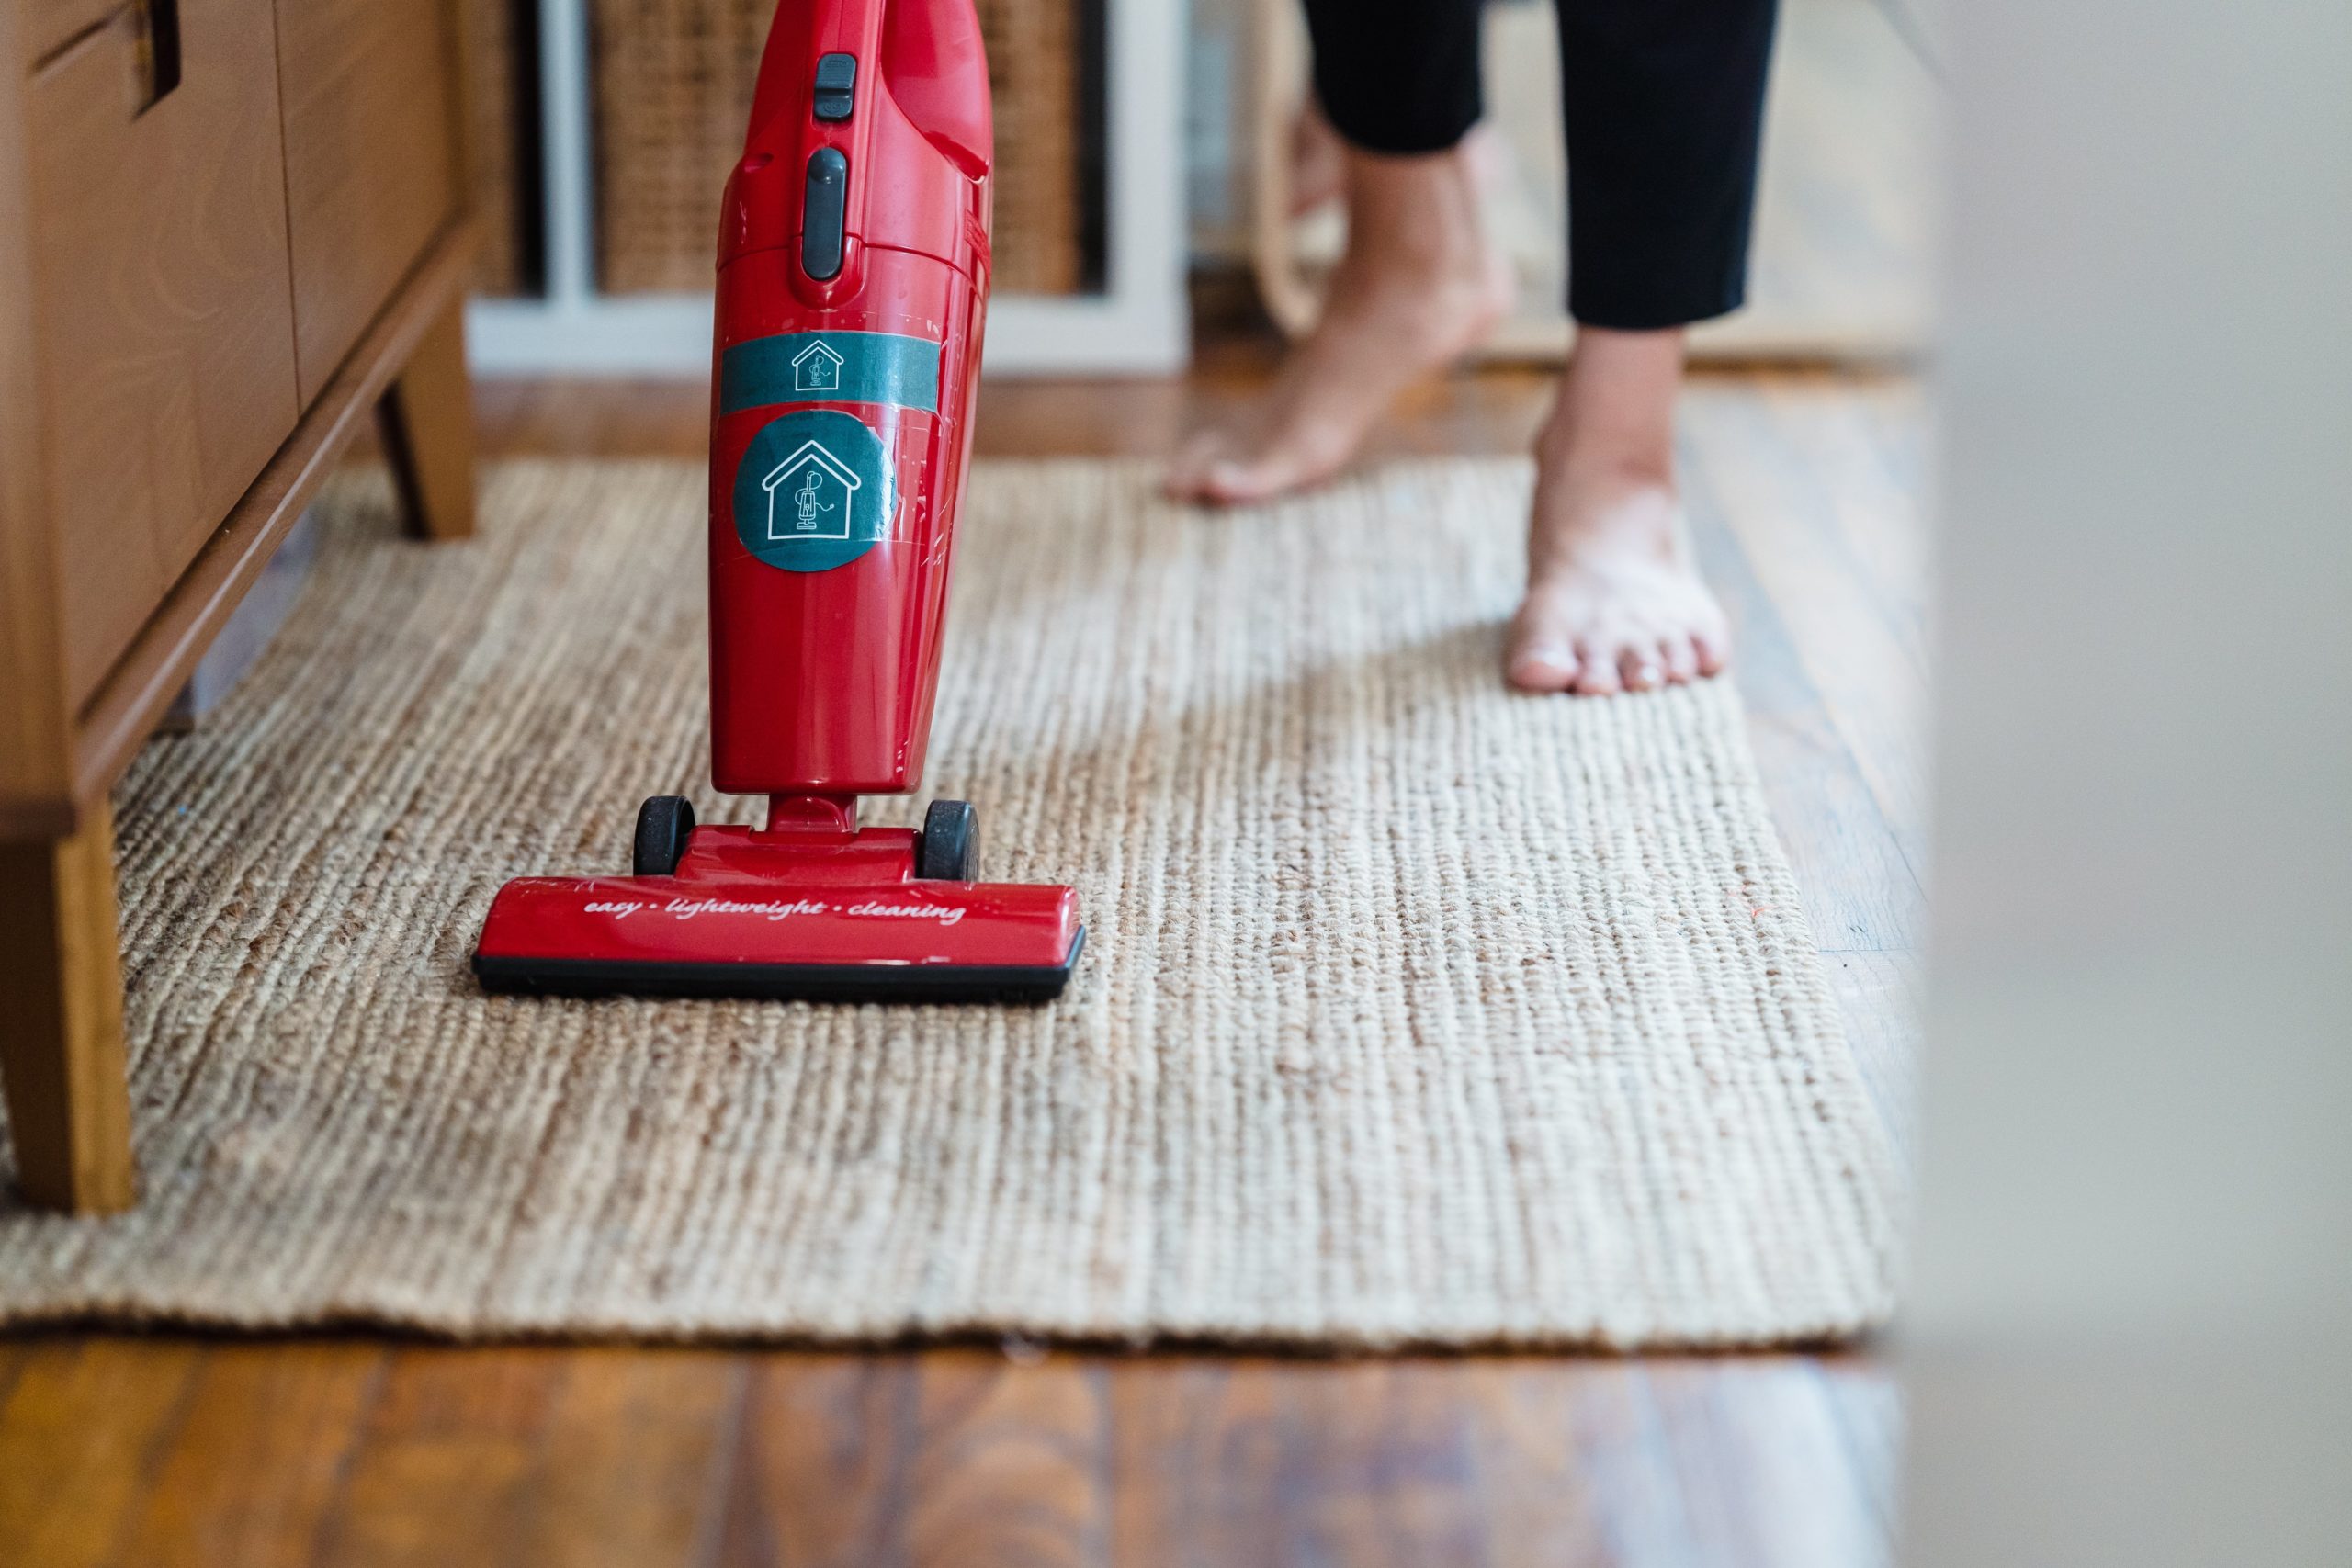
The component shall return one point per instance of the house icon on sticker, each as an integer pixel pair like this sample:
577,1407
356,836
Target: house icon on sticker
817,368
809,494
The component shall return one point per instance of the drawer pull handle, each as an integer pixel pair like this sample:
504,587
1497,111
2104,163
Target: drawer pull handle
159,51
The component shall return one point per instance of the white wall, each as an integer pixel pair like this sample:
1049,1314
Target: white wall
2130,1337
1218,126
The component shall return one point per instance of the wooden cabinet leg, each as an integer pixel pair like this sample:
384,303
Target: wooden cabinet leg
60,1034
428,420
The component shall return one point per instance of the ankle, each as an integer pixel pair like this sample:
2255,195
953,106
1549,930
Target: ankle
1414,219
1605,457
1602,503
1615,413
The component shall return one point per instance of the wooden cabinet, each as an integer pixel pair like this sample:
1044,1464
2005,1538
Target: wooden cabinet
165,327
371,159
230,231
49,24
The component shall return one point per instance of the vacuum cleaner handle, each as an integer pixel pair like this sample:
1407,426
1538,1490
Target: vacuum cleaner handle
852,301
928,51
870,126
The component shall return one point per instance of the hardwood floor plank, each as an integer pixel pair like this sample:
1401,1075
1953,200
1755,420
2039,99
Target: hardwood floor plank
1009,1466
1839,770
1640,1516
1763,1463
1863,896
1868,1411
1860,889
633,1458
1778,487
1492,412
819,1476
1877,445
1533,1481
80,1438
1105,419
1878,997
14,1353
1379,1466
1297,1461
1196,1462
592,418
446,1466
257,1461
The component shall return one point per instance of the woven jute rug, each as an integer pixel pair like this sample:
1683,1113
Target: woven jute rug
1412,1010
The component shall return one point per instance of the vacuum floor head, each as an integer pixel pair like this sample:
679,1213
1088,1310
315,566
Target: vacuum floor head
795,912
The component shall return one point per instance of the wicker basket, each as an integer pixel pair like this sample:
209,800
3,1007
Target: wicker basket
505,200
674,81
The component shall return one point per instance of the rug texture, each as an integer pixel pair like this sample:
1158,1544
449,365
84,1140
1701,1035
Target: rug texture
1412,1012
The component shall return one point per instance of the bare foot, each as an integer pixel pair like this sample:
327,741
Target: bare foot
1613,603
1418,285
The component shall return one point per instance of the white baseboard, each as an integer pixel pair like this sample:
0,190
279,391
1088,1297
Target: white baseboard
669,335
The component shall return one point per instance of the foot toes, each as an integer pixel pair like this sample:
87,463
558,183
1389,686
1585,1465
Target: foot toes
1188,472
1680,659
1596,674
1211,470
1235,481
1714,650
1543,666
1638,667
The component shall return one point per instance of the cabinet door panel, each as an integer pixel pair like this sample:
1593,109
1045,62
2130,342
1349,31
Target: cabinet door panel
49,24
164,317
370,159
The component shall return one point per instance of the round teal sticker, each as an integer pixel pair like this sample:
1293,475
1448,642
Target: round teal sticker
813,491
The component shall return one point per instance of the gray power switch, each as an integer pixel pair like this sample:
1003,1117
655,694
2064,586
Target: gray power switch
824,207
836,85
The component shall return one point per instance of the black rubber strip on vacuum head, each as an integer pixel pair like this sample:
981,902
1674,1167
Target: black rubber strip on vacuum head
999,983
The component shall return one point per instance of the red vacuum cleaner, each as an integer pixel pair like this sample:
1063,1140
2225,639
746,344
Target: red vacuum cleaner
853,275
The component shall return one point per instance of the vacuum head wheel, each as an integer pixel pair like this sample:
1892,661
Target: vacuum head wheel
949,847
663,824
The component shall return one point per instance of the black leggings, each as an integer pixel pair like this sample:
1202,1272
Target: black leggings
1664,103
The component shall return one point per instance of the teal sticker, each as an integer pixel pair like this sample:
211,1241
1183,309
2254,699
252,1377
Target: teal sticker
813,491
830,367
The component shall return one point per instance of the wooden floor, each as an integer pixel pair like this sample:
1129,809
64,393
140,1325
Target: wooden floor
146,1451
